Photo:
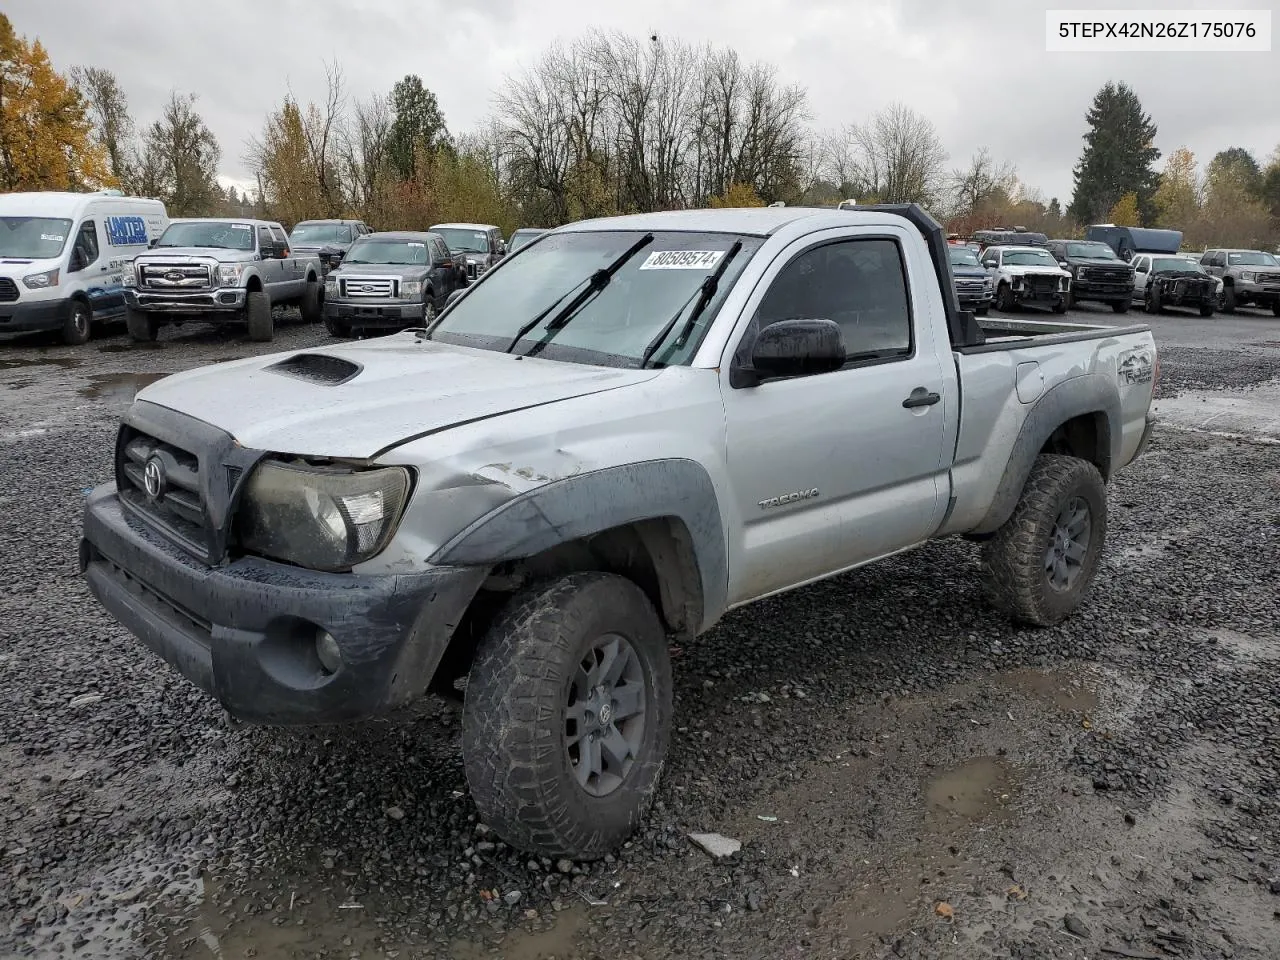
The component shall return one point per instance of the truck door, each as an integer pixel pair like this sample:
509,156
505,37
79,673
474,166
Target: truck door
835,469
272,265
88,270
292,268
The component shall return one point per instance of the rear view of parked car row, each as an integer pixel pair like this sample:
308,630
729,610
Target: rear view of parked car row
70,260
1118,266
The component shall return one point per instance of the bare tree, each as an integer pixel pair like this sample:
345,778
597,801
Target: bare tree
109,110
984,179
895,157
320,129
180,160
363,147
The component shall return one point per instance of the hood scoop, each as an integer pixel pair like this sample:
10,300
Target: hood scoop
317,368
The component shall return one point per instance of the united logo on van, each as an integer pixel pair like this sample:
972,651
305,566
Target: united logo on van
126,231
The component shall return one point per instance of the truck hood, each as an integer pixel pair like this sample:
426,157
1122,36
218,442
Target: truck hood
220,254
376,395
402,270
1019,271
969,272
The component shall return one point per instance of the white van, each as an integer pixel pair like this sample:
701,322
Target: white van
61,255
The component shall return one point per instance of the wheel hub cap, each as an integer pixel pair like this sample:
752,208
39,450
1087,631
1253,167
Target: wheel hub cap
604,723
1068,544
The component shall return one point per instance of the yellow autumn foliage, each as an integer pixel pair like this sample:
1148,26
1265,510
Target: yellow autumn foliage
46,137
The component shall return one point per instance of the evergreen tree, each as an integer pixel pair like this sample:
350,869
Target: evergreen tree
1119,151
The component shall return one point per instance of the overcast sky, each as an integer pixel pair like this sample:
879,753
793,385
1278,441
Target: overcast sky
978,70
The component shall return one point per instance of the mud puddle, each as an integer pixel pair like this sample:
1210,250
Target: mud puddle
554,942
970,791
20,363
1254,412
1068,694
118,386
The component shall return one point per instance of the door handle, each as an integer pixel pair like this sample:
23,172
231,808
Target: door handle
920,397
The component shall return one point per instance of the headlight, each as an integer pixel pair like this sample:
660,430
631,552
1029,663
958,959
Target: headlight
128,277
331,286
229,274
1063,283
42,281
411,288
1248,277
322,518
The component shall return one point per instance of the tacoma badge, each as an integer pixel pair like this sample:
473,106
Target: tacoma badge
788,498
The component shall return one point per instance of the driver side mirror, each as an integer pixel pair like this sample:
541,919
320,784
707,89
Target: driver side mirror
152,242
792,348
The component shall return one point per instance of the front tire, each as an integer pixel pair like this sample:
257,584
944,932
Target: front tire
982,311
257,312
1275,307
1060,306
1228,299
1206,310
142,328
1040,564
76,328
567,715
337,328
1004,298
1120,306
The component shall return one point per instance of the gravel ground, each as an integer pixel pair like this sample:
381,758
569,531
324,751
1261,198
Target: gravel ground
909,775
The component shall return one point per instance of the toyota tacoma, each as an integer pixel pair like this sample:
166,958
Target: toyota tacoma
604,446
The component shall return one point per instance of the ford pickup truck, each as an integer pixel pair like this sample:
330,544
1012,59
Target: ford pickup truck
607,442
220,270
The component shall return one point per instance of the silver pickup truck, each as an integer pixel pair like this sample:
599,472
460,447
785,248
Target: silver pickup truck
611,439
220,270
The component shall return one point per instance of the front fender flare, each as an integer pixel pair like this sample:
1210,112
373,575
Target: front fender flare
1093,393
589,503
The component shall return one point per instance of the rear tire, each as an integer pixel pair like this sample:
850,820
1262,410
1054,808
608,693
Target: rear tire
142,328
1040,564
257,312
535,703
311,307
78,325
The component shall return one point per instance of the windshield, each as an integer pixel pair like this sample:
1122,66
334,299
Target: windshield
1028,258
1175,264
461,240
1252,258
387,251
614,327
1093,251
521,237
320,233
32,238
208,233
963,257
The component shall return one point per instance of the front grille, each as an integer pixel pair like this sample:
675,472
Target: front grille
8,290
1042,286
179,506
1106,274
1262,278
175,276
969,286
370,288
473,269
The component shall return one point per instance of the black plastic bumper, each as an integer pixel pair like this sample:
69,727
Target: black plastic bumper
245,632
31,317
1146,438
389,314
1101,292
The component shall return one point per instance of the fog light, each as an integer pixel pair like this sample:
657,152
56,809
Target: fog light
328,652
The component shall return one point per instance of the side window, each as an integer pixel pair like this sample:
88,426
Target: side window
1140,264
438,250
85,251
265,242
859,284
278,235
991,257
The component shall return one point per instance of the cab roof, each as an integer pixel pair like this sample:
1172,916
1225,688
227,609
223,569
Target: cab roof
417,236
463,226
750,221
63,204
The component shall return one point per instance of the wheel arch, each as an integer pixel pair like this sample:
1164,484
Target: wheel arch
657,522
1079,417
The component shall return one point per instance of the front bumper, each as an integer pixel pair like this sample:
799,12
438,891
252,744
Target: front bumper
968,300
1261,293
1105,291
358,314
32,316
229,300
244,632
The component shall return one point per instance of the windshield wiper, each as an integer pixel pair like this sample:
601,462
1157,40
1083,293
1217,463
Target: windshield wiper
706,290
595,283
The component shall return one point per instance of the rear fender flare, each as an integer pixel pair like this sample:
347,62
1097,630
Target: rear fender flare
1089,394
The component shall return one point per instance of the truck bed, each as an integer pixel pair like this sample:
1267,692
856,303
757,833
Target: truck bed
1004,334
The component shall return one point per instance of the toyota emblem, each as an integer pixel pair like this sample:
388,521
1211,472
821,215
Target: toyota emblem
153,478
173,276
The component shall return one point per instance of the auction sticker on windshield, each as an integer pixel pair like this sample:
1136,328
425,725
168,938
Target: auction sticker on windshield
682,259
241,226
